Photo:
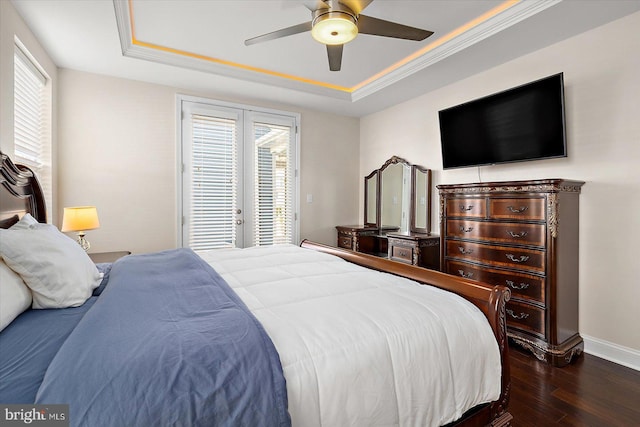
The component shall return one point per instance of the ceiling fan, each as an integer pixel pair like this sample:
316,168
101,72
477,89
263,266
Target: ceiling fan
336,22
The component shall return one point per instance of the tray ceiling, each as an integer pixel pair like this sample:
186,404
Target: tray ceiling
199,44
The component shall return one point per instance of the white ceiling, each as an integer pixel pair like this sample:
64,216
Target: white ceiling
199,45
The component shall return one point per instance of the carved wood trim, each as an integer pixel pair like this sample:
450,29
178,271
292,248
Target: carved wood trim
21,192
541,186
394,160
552,214
425,243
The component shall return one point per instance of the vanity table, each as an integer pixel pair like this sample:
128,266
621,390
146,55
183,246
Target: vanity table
397,216
366,239
415,248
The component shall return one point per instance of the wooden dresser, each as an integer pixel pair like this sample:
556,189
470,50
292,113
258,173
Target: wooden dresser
524,235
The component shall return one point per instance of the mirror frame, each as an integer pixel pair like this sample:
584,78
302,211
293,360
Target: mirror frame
373,175
415,169
377,173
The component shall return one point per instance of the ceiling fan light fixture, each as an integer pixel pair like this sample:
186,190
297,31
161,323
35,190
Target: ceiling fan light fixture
334,28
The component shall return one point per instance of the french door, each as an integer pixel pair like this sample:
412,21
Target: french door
239,174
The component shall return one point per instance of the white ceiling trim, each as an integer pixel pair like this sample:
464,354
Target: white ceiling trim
494,25
131,50
504,19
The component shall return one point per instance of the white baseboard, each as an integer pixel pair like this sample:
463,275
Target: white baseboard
615,353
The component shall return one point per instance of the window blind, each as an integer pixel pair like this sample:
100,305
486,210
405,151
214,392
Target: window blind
273,185
213,183
28,111
32,136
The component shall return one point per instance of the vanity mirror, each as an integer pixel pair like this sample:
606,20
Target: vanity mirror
397,216
404,197
421,200
394,198
371,199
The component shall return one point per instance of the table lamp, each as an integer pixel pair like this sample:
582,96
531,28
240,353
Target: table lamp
80,219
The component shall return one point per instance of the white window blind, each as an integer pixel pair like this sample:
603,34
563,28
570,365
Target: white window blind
273,185
213,182
32,137
238,180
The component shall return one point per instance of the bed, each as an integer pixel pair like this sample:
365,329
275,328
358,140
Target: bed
288,335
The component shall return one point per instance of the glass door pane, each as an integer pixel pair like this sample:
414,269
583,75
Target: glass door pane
272,185
212,190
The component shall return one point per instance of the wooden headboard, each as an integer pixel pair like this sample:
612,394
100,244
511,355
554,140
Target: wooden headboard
20,193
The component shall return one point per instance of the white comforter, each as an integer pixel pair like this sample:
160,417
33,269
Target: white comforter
363,348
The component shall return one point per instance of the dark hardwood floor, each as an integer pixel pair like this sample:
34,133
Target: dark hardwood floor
589,392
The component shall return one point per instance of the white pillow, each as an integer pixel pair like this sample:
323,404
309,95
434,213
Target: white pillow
25,222
15,297
57,270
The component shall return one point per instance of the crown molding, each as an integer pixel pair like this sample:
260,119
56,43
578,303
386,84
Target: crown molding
501,21
132,48
148,51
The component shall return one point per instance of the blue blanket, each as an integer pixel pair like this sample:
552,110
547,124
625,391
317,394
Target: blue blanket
168,343
28,345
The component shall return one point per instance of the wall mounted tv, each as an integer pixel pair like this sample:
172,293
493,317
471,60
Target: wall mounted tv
519,124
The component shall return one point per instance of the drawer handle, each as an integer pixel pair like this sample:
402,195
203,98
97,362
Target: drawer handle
465,251
464,208
466,230
513,285
465,275
516,210
522,258
517,316
517,235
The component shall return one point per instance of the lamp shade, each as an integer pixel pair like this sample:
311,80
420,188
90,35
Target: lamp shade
80,218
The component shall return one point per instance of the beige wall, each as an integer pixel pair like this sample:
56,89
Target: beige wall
117,151
12,26
602,92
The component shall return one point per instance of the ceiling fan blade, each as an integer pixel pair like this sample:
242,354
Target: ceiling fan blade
380,27
356,6
314,5
289,31
334,52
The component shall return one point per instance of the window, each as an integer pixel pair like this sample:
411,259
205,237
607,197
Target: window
239,176
32,117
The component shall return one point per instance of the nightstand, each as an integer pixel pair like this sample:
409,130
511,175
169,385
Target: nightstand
99,257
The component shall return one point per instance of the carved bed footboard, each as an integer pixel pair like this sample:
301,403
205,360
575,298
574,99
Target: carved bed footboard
491,300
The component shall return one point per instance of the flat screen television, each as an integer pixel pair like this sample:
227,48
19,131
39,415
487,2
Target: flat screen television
519,124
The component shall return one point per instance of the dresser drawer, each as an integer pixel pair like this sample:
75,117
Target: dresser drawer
526,317
530,209
519,258
402,254
344,241
507,232
467,207
522,285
